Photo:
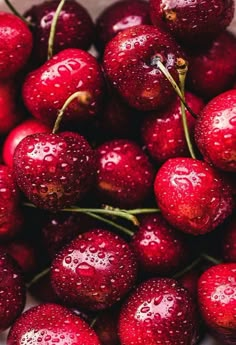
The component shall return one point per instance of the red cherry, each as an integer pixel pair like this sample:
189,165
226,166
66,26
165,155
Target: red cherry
74,28
12,291
94,271
192,22
15,44
192,196
125,175
163,133
46,89
130,63
119,16
159,311
212,69
27,127
215,131
159,248
217,301
54,170
48,324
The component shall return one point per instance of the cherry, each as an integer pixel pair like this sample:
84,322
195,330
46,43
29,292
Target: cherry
130,63
118,120
10,115
192,196
119,16
23,253
94,271
74,28
159,311
215,131
54,170
27,127
162,131
189,281
46,89
15,46
229,240
12,291
217,303
10,214
192,22
160,249
51,323
125,175
212,69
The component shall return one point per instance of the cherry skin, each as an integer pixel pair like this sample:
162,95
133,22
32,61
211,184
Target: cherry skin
192,22
215,132
118,120
158,312
49,323
125,175
10,214
229,240
75,28
23,253
119,16
27,127
162,131
16,45
216,298
94,271
192,196
160,249
47,88
190,282
12,296
212,69
54,170
134,52
10,115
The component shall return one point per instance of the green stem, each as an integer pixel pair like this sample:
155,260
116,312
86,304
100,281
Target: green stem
110,222
182,71
38,277
83,98
18,14
188,268
211,259
167,74
144,211
116,212
110,212
53,28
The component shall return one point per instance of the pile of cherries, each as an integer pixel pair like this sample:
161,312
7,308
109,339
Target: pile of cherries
117,187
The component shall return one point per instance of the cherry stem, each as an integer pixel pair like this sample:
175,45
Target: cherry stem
110,222
107,211
53,28
92,324
83,98
182,68
38,277
188,268
211,259
175,86
18,14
